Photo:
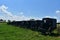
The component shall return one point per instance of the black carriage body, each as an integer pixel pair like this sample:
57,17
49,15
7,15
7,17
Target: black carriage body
49,24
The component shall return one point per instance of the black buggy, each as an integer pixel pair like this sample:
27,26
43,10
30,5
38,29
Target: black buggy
46,25
49,24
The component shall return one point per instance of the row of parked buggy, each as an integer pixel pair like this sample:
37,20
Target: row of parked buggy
46,25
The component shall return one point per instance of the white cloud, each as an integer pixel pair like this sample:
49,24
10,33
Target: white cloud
58,15
9,15
2,17
51,17
58,11
47,16
3,9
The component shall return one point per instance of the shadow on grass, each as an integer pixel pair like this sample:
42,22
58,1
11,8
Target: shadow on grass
52,34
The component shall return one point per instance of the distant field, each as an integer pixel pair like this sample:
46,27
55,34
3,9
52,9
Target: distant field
9,32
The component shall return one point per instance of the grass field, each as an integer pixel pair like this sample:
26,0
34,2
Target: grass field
9,32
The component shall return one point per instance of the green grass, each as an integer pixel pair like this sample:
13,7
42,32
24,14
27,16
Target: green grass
9,32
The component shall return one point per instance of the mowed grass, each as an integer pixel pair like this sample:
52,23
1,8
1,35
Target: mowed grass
9,32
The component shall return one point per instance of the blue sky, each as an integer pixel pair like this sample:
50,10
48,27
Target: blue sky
34,8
